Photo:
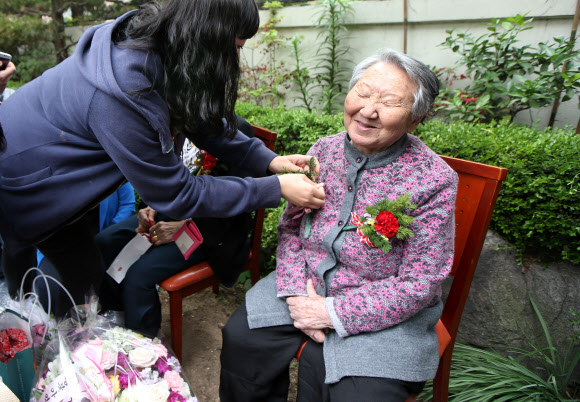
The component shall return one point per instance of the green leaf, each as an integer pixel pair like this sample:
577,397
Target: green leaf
569,94
507,26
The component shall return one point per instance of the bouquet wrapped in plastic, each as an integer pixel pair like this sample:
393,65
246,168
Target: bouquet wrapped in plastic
24,327
92,360
16,360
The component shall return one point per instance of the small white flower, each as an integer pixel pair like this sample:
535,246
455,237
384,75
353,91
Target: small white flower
174,363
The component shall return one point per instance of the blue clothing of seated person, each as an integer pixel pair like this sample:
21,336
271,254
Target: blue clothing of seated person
116,208
225,244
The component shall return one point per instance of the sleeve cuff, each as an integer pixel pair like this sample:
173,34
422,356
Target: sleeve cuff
268,191
266,157
286,295
336,323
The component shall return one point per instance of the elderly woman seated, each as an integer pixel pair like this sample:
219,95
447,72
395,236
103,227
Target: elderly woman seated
361,276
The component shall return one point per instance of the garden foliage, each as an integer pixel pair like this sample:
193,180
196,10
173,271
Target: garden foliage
265,79
539,205
270,237
33,31
506,77
332,52
297,129
487,375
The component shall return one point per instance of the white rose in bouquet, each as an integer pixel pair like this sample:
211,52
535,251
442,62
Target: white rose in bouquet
158,392
185,391
143,356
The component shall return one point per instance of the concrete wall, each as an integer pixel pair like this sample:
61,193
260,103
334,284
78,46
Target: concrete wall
379,24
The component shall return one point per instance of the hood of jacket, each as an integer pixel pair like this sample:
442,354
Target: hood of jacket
103,64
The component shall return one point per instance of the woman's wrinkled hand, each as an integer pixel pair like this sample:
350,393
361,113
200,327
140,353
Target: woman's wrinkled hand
309,312
317,335
146,219
301,191
162,232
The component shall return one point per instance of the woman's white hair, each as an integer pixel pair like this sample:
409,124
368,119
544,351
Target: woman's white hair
425,79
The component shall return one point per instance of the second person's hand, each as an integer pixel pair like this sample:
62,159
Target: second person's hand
146,219
162,232
5,75
301,191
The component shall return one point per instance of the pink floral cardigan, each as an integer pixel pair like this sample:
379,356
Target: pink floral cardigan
375,300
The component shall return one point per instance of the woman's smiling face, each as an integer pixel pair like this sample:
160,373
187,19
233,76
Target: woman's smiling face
377,110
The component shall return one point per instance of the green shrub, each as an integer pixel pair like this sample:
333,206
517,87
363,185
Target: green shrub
539,204
297,129
270,238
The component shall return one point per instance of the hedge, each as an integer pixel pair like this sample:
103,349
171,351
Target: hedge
297,129
539,205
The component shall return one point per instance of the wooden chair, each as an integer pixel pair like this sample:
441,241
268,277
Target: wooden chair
201,276
477,193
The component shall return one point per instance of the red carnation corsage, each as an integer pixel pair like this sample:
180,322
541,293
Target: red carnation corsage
383,221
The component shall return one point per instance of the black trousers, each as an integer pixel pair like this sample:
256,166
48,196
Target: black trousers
74,254
137,294
255,367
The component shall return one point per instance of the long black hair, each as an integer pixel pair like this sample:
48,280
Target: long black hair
196,42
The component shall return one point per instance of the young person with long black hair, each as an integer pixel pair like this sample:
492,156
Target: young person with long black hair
108,114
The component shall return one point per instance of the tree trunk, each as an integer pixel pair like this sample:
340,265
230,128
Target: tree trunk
58,39
77,11
556,104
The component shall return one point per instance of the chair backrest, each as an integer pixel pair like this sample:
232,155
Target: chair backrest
269,138
477,193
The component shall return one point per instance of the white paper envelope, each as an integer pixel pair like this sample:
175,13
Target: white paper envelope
127,257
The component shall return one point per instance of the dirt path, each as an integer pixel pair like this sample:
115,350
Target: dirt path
204,314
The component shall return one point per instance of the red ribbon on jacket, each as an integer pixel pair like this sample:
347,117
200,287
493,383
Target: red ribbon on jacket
364,239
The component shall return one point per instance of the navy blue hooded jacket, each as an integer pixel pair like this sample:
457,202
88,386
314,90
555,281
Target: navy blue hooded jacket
75,134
